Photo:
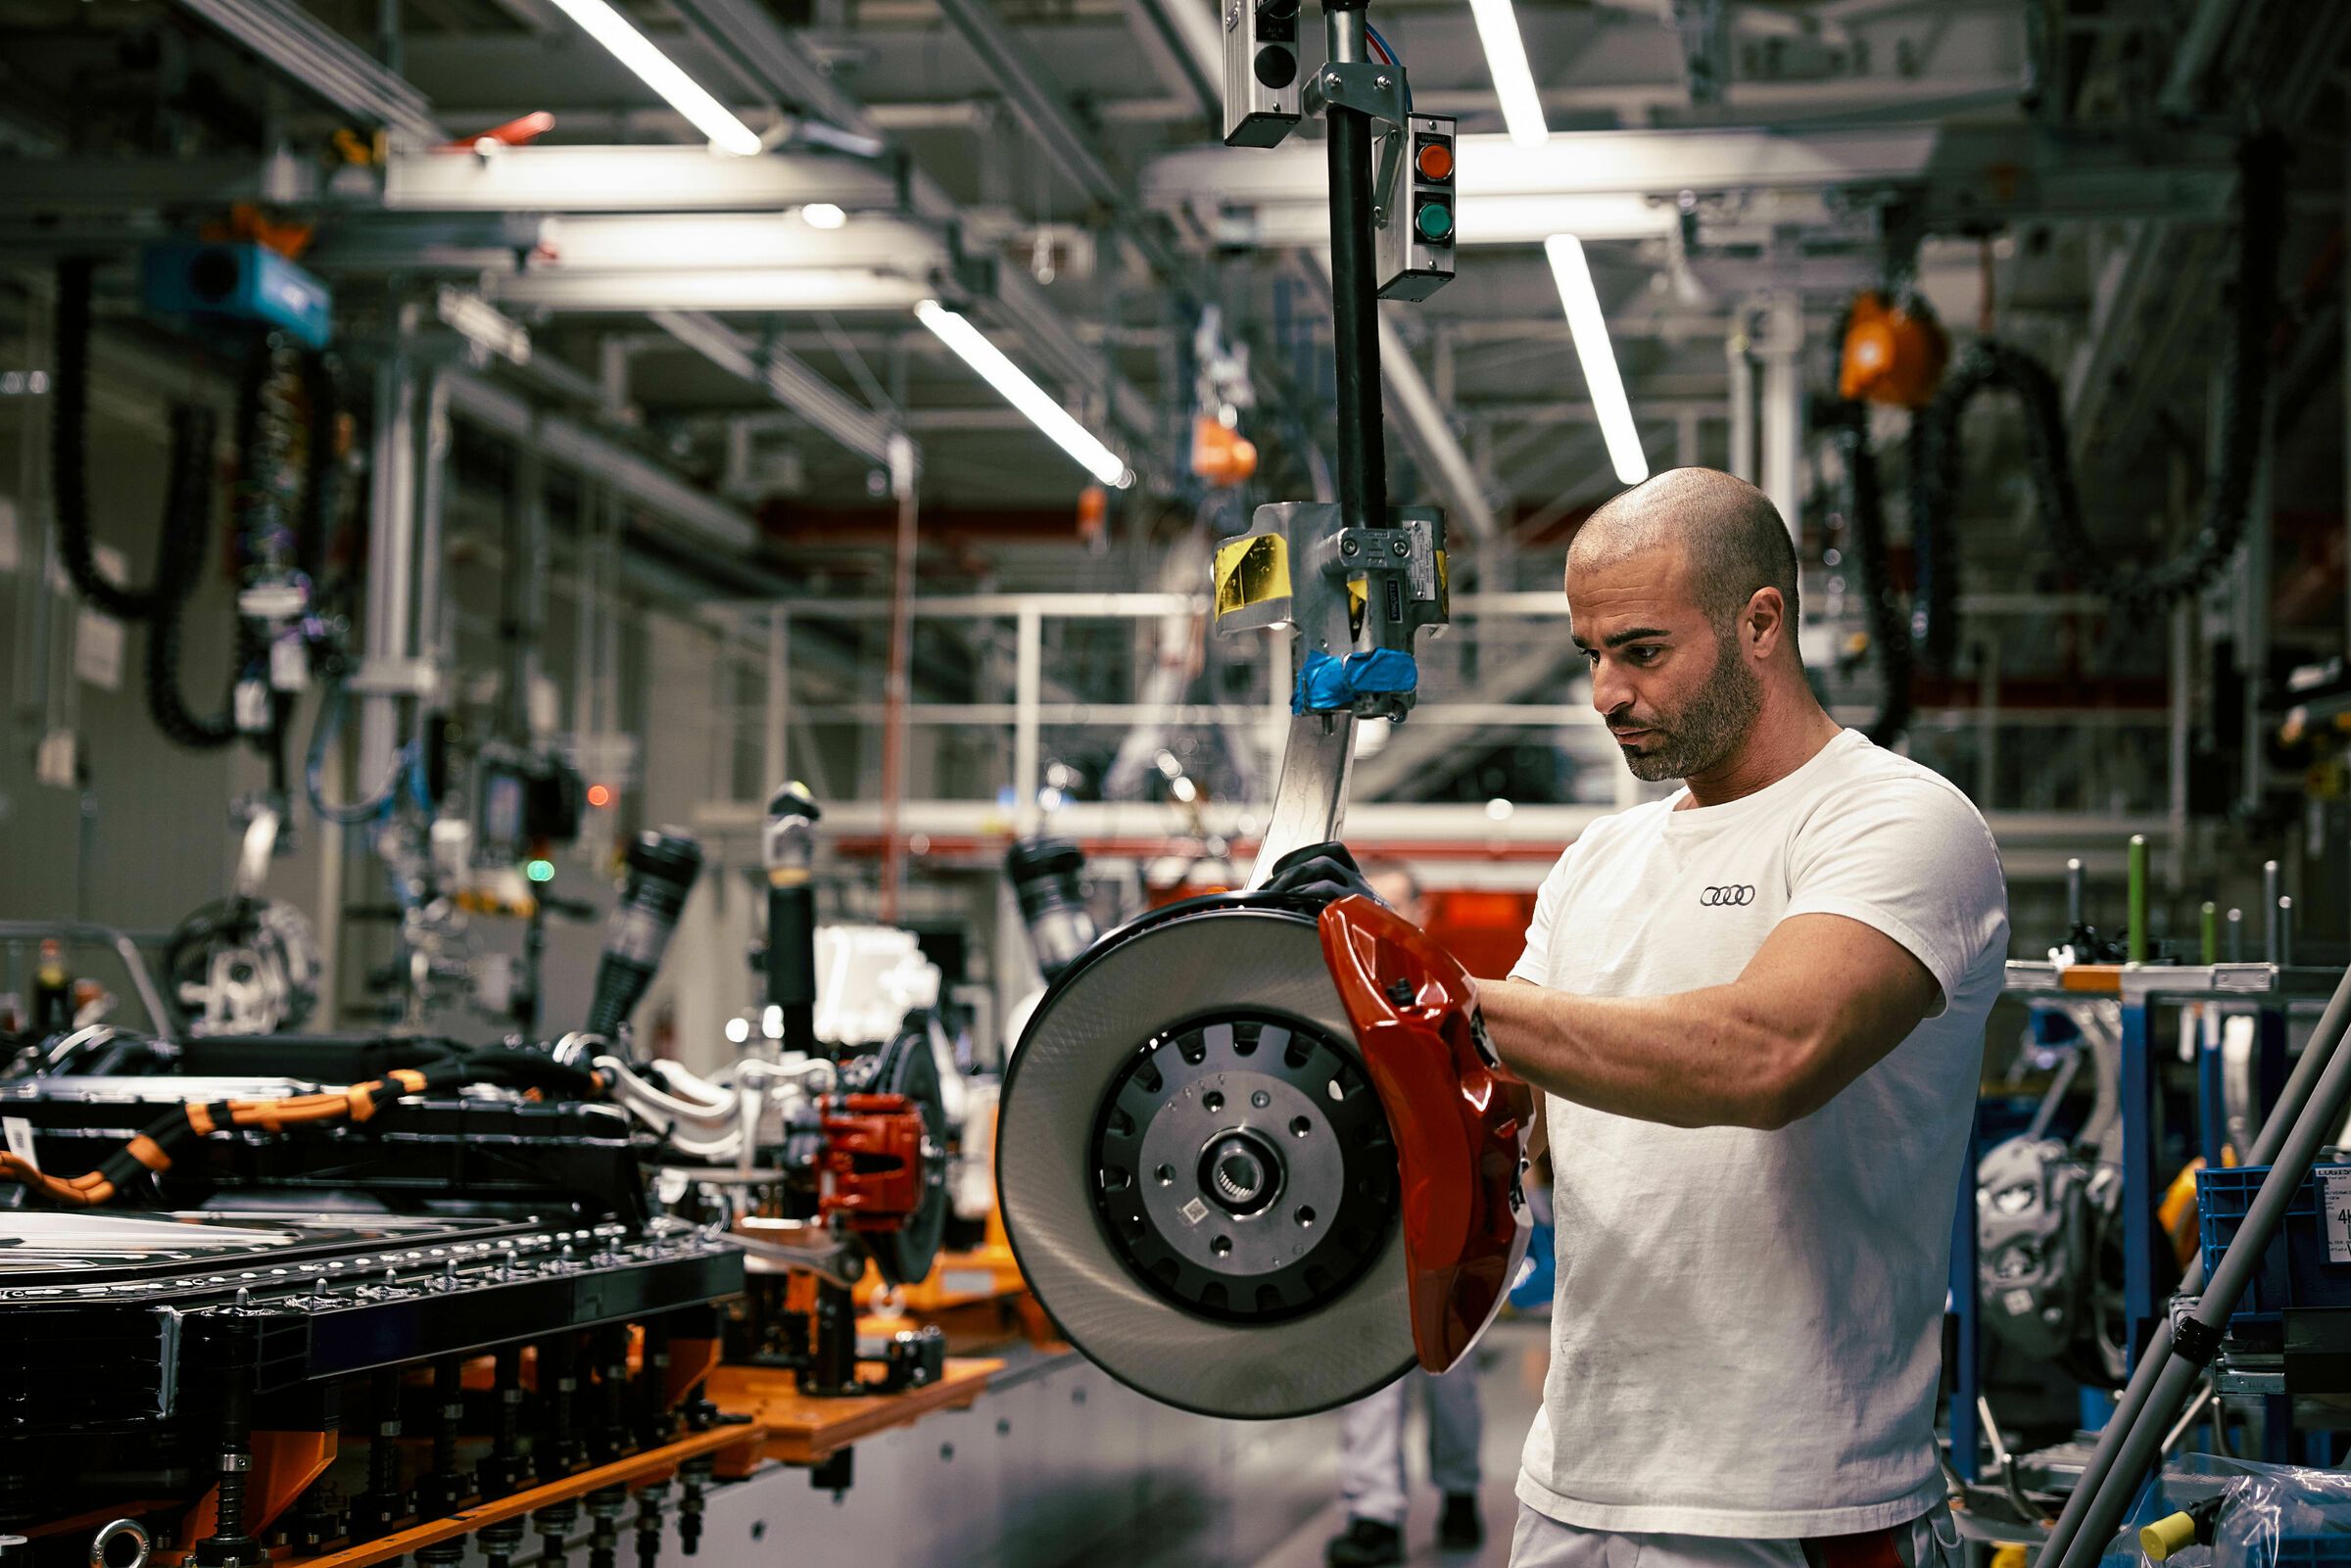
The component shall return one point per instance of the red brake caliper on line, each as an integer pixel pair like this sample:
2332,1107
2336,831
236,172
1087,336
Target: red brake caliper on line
1460,1117
872,1166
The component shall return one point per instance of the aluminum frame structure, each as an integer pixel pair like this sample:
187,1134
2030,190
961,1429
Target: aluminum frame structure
2037,843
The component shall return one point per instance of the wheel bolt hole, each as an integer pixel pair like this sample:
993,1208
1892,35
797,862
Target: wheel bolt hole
1300,1126
1213,1101
1261,1099
1306,1218
1166,1176
1222,1245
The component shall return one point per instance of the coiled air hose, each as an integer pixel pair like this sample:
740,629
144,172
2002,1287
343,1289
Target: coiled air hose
1889,627
69,462
1935,451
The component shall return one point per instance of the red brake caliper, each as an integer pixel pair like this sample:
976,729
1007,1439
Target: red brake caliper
1460,1117
872,1166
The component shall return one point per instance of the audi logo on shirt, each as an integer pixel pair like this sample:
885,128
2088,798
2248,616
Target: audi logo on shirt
1735,896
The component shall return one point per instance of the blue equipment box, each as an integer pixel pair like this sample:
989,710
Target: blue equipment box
236,281
2296,1273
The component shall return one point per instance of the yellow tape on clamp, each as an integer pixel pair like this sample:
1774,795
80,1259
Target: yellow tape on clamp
1249,571
1444,590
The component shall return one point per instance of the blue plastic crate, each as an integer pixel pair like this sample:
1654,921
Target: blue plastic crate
2295,1272
2313,1551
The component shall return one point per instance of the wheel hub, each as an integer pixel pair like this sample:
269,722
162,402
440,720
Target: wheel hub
1240,1173
1243,1168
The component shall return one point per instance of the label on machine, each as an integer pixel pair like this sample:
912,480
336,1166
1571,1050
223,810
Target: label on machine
2334,1202
19,1133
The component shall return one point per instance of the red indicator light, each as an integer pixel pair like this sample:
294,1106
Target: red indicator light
599,795
1435,161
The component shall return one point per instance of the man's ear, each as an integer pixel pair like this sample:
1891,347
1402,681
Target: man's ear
1765,620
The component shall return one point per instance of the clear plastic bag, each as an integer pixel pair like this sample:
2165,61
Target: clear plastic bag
2270,1516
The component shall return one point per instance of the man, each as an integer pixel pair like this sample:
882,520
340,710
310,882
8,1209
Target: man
1371,1463
1755,1009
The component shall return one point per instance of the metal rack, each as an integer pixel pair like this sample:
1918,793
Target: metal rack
2269,991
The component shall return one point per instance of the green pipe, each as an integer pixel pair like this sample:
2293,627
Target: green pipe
2139,898
2212,932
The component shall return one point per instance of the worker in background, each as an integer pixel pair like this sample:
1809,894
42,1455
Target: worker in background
1372,1467
1755,1009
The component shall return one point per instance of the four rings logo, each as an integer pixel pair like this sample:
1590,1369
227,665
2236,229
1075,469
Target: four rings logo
1737,895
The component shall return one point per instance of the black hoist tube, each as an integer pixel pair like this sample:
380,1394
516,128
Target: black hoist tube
1362,469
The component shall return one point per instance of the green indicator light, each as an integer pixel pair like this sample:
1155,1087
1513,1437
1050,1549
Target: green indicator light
1435,220
540,871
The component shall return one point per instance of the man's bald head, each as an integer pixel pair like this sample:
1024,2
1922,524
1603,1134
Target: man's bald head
1728,531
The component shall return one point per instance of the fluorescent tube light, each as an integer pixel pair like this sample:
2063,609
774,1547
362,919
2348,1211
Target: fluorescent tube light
1591,329
1506,61
658,71
1022,394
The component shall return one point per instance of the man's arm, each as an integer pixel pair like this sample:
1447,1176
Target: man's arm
1818,1005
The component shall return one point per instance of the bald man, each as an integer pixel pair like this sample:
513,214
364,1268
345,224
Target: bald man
1755,1011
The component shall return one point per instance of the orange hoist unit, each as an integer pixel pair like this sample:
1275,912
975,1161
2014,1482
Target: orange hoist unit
1893,353
1220,455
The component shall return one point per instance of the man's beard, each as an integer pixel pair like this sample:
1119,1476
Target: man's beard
1709,728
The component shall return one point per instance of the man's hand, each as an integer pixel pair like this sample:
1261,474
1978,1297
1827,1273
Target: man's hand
1817,1006
1323,871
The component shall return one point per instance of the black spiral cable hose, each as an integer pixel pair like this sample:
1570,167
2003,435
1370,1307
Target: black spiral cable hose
323,392
69,463
1936,452
1889,627
184,549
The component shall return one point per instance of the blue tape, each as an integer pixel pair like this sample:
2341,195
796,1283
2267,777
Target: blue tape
1328,685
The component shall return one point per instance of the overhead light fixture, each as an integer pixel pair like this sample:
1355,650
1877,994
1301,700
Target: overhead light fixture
657,71
1592,348
1532,220
1506,61
1013,383
823,214
724,290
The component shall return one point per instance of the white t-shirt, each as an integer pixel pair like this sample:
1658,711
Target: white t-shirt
1746,1337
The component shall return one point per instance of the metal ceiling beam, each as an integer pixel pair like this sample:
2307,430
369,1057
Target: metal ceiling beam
1427,433
571,445
745,33
2183,89
48,185
1635,101
1186,51
535,16
748,33
323,63
1610,162
1068,141
787,379
1430,437
1969,175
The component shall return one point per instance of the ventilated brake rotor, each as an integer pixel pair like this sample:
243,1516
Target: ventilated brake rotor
1197,1175
906,1067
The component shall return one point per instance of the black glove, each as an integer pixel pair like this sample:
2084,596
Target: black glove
1324,872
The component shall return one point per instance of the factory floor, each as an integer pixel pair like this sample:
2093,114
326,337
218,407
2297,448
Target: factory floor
1285,1522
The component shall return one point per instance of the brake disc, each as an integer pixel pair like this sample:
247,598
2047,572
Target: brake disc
1196,1173
906,1067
